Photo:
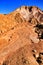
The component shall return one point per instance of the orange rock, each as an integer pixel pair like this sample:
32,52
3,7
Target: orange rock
21,37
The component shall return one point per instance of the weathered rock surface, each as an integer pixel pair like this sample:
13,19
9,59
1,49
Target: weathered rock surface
21,37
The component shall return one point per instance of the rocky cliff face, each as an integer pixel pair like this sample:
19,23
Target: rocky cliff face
21,37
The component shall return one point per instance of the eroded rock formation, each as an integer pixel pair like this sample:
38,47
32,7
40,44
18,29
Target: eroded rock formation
21,37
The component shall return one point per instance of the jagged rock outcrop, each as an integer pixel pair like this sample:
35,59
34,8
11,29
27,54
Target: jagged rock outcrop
21,37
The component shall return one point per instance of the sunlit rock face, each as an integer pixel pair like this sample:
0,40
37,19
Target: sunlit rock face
21,37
